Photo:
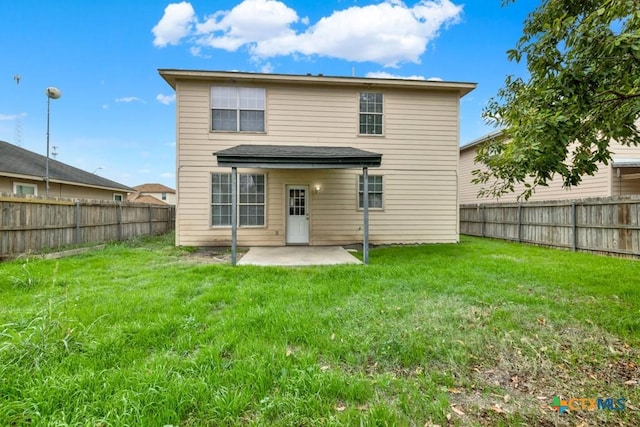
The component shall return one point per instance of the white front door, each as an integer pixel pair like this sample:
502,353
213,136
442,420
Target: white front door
297,214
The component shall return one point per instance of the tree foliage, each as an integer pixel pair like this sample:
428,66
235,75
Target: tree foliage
583,90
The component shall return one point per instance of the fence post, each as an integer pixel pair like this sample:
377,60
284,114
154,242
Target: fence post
574,228
483,221
519,222
150,221
119,221
77,221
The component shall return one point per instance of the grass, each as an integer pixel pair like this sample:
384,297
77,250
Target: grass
479,333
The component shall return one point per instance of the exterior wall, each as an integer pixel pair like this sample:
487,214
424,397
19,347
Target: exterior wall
627,181
61,190
602,184
420,156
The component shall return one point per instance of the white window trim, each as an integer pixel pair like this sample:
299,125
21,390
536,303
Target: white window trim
266,177
25,184
383,114
380,209
118,194
238,109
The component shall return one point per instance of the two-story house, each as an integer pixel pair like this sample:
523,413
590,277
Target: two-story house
273,160
153,193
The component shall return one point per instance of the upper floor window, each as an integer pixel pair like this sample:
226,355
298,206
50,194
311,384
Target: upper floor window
164,196
371,111
237,109
118,197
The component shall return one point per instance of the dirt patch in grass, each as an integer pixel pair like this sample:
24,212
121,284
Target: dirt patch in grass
213,255
515,382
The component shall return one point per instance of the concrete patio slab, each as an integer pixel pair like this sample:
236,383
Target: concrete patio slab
298,256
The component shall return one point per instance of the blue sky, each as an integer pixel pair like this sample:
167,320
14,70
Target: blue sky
116,116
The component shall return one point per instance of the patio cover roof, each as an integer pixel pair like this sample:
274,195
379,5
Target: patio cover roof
625,163
297,157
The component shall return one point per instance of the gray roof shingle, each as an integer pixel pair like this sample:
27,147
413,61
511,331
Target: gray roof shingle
292,156
18,161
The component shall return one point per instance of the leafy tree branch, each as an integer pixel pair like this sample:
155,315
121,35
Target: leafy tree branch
583,90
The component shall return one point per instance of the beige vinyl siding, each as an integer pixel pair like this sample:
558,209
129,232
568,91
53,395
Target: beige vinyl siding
420,156
627,183
6,184
628,179
61,190
605,182
591,186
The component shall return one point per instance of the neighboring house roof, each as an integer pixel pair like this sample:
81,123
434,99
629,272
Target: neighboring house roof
478,141
295,156
173,75
20,163
145,198
153,188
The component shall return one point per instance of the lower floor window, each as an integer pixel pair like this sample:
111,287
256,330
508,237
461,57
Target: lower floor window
29,189
375,191
251,199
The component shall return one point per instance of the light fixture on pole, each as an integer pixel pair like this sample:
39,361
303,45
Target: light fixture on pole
52,93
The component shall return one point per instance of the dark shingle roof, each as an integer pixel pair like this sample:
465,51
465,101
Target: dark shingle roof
296,156
15,160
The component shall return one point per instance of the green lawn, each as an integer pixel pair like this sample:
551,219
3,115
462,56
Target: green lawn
478,333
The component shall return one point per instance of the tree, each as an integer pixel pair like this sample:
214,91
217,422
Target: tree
583,58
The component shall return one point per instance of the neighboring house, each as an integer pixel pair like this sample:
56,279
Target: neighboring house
619,177
300,146
24,172
153,193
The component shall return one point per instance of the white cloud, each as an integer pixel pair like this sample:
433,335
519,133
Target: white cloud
105,106
12,116
387,33
167,175
176,23
165,99
128,99
197,51
251,21
266,68
385,75
435,79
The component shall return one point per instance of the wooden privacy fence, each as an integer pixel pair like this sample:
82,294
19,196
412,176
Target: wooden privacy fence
29,223
603,225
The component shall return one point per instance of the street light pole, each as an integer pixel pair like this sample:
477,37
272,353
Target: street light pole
52,93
